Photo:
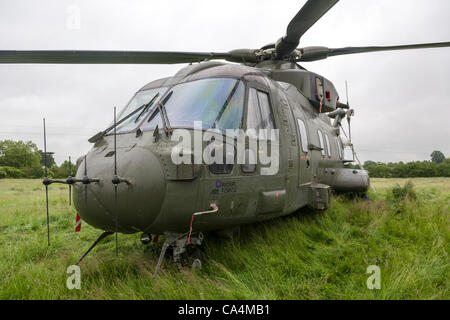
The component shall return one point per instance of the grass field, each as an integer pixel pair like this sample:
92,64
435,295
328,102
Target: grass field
309,255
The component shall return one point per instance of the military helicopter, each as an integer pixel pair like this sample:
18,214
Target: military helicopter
129,183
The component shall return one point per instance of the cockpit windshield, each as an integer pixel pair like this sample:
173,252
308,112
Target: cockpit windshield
216,102
139,99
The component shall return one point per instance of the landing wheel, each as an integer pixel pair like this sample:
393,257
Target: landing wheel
193,257
196,259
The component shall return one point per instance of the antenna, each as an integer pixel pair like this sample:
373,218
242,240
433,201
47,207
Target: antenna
85,181
116,181
349,114
46,183
349,129
346,91
70,186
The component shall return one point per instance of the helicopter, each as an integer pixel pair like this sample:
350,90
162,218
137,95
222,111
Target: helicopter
250,101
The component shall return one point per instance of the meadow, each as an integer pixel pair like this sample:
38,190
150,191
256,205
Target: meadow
308,255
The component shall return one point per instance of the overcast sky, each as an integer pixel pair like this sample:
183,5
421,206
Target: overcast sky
401,99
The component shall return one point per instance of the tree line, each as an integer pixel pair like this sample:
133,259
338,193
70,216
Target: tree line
22,159
438,166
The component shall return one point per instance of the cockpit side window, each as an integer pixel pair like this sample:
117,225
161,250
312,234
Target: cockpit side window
253,113
259,112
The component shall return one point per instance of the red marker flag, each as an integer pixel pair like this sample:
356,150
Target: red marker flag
78,223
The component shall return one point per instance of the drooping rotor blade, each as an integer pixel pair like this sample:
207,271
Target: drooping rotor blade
312,11
107,57
319,53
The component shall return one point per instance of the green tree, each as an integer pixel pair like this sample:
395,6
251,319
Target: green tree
369,163
443,169
63,170
437,156
19,154
65,165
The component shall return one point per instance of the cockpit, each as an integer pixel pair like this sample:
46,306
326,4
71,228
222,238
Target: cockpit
217,102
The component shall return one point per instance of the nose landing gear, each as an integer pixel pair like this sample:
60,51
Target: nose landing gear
193,258
185,251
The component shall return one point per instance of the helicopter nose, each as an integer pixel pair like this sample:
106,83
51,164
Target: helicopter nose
138,203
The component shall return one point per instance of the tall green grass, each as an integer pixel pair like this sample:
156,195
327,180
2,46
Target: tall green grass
309,255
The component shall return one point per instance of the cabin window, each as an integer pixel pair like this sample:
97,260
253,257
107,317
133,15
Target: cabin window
216,102
259,113
328,145
322,145
303,135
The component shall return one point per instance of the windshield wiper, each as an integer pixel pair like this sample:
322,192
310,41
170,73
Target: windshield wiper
162,111
99,135
147,107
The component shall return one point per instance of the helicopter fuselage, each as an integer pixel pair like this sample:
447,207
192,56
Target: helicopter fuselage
162,196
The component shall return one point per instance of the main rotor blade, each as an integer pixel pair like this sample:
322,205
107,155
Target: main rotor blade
312,11
319,53
107,57
351,50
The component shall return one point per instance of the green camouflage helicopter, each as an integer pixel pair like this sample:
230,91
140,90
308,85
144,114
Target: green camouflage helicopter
158,169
